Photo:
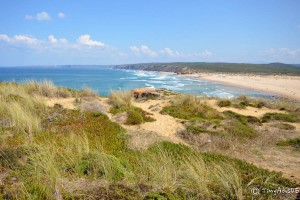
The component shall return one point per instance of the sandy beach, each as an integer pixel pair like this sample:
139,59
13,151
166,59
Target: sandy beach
284,86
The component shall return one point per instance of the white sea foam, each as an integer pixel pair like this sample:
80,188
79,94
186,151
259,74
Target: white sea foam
158,82
149,85
159,77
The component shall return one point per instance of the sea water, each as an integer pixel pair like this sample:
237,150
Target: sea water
104,79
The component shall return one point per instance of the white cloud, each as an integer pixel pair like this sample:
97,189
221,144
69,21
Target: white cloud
143,50
85,40
4,37
61,15
206,53
63,41
170,52
42,16
278,52
298,26
52,39
29,17
25,39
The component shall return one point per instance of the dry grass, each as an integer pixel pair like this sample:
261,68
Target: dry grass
87,93
43,88
281,104
190,107
18,109
120,99
92,106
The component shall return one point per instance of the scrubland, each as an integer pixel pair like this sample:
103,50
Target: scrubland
54,152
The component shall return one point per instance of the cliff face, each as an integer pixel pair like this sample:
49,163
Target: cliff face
185,68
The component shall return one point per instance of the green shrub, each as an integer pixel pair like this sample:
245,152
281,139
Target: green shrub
224,103
242,118
161,196
239,129
134,117
198,130
284,126
189,107
102,165
239,106
280,117
260,104
290,142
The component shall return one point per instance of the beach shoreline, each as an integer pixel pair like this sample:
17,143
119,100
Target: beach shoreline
281,85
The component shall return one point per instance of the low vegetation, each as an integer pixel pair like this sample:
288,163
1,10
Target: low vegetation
284,126
290,142
190,107
121,101
224,103
289,117
204,119
81,154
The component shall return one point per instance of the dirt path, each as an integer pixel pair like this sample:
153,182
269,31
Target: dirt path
164,128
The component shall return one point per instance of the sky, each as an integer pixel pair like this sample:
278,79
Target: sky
61,32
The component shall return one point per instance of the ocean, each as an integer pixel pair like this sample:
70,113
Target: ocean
104,79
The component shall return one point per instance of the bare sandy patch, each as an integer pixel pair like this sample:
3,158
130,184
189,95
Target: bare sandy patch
165,125
65,102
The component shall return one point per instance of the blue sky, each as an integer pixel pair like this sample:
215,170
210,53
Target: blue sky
54,32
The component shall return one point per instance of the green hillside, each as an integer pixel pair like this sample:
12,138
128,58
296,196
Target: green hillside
192,67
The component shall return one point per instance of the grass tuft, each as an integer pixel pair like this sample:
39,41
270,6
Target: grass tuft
290,142
289,117
284,126
224,103
120,100
190,107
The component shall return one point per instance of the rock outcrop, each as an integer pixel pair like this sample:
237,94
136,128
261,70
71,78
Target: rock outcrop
145,93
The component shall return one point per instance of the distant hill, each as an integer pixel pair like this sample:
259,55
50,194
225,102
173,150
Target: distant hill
192,67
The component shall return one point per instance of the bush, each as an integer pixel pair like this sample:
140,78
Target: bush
224,103
134,117
241,130
243,119
290,142
280,117
189,107
239,106
284,126
198,130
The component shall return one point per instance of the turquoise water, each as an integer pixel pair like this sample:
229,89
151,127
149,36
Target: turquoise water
104,79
